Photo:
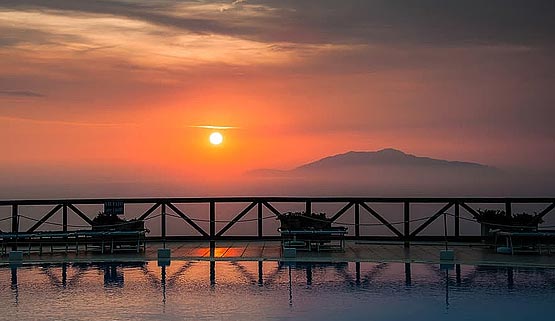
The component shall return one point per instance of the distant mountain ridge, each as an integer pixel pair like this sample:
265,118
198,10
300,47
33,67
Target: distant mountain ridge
388,157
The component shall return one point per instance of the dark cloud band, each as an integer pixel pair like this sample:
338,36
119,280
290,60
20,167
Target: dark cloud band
20,93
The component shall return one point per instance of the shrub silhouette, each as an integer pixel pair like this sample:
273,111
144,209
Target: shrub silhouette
500,218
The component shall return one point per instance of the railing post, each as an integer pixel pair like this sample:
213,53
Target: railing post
508,209
212,220
259,219
64,217
308,207
15,228
457,220
64,224
15,219
357,219
407,224
163,223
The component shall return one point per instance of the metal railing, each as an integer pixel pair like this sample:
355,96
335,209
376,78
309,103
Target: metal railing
163,207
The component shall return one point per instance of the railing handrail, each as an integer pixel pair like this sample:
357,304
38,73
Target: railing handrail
279,199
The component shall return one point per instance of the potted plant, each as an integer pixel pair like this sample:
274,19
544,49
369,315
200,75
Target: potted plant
109,222
491,219
304,221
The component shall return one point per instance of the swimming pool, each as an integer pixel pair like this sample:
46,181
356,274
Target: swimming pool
270,290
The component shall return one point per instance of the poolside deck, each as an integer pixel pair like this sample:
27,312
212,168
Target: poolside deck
465,253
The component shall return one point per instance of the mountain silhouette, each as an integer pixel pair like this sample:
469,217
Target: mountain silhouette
386,172
389,159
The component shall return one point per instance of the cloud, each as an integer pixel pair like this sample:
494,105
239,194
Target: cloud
235,5
21,33
20,93
89,49
213,127
63,122
150,12
428,22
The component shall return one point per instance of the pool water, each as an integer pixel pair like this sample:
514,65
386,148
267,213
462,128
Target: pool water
269,290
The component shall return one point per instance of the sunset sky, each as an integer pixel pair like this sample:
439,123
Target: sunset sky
90,87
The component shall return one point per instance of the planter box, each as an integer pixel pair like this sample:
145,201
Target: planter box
302,221
486,229
114,223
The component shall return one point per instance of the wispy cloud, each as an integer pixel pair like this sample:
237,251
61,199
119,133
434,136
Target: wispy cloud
213,127
431,22
91,48
237,4
20,93
64,122
145,42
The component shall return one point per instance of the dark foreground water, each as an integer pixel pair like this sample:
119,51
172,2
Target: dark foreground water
223,290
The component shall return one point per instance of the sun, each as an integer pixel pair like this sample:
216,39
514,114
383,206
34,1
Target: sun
216,138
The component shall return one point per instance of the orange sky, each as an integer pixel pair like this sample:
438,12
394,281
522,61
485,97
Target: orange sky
120,86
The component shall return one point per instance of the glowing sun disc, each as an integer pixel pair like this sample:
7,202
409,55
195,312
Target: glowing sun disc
216,138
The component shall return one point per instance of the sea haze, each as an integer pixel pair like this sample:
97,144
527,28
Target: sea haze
391,172
387,172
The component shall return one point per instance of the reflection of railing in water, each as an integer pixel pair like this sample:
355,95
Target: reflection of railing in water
353,280
113,272
162,208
